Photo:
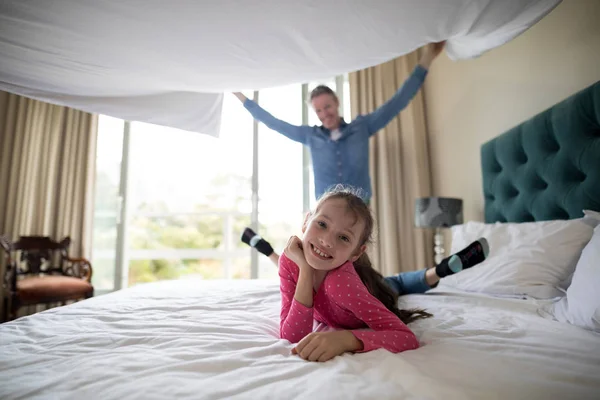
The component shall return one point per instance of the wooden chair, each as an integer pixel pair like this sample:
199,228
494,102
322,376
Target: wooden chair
40,271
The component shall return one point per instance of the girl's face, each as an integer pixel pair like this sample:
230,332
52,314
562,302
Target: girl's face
332,236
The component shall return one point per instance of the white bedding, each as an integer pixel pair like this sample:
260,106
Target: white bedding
169,62
218,339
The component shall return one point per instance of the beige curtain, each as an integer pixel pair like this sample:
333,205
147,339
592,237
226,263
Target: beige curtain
399,167
47,168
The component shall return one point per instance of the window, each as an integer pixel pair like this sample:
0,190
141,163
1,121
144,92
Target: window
279,173
172,204
188,197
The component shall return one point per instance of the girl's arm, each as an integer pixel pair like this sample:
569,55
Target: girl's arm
386,330
297,133
296,318
379,118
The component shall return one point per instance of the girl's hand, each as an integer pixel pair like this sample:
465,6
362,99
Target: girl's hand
295,252
304,287
323,346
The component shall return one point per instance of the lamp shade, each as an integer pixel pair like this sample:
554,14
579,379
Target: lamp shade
437,212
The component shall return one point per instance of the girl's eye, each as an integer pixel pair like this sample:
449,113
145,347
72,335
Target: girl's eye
345,238
321,224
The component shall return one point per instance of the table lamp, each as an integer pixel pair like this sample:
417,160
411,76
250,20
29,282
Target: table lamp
438,213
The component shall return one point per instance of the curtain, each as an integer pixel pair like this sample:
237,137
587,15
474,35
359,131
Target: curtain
47,171
399,167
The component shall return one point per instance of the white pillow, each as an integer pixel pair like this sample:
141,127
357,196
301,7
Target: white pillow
592,217
526,259
581,305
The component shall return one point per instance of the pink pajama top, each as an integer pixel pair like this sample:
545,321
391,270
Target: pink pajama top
341,302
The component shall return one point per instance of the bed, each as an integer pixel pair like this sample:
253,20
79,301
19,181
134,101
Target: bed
219,339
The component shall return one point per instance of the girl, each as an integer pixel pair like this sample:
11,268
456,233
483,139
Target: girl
326,276
406,282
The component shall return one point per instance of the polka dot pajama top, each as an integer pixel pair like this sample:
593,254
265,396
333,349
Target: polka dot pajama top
341,302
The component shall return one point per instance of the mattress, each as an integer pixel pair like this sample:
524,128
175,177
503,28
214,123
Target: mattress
169,64
219,340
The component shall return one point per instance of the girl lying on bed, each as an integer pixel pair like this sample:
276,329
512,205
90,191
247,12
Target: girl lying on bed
326,276
406,282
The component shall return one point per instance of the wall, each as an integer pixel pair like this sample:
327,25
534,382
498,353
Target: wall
471,101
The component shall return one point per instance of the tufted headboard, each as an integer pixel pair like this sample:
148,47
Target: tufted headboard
548,167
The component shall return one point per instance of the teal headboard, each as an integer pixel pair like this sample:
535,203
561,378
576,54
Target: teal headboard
548,167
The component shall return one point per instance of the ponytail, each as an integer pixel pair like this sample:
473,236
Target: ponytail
375,284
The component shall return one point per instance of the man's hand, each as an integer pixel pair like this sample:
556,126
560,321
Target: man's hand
240,96
436,48
432,50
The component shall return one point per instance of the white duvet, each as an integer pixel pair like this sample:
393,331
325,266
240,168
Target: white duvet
169,62
219,340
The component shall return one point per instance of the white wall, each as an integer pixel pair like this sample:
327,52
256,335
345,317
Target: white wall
472,101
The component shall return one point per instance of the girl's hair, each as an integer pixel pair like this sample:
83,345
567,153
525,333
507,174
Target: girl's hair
372,279
322,89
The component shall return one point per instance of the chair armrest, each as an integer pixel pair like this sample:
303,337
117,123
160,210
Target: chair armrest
79,268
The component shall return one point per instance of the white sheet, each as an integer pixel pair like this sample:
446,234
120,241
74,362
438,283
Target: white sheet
218,339
168,63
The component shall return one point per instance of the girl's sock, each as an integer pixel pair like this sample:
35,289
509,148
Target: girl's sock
471,255
252,239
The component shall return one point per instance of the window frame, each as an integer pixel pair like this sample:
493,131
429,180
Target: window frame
123,255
